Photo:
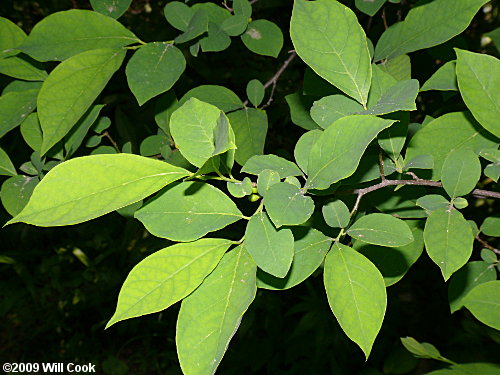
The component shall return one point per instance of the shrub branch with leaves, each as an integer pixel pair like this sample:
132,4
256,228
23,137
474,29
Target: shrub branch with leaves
410,181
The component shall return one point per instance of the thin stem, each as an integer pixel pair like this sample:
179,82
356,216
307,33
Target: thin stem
381,165
274,79
115,145
487,245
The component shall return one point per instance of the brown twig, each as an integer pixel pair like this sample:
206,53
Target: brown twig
419,182
487,245
274,79
115,145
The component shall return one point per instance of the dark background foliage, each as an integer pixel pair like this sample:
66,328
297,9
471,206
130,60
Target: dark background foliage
61,288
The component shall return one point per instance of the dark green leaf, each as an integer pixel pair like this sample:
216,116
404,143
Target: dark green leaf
319,31
271,249
68,33
303,148
286,204
448,240
482,301
425,26
445,78
263,37
299,110
255,92
16,192
188,211
256,164
6,166
178,14
336,214
219,96
356,294
250,129
381,229
14,107
154,69
210,316
491,226
461,172
198,24
111,8
329,109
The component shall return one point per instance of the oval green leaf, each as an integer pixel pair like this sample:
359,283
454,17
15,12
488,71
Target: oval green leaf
263,37
154,69
328,37
336,214
258,163
101,184
68,33
425,26
71,88
356,294
478,78
483,301
461,172
309,252
255,92
337,152
210,316
167,276
271,249
188,211
111,8
381,229
448,240
286,204
14,107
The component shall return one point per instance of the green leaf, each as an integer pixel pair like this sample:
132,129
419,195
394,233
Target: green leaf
491,154
299,110
420,350
6,166
432,202
154,69
446,133
336,214
400,97
165,105
483,301
250,130
152,145
309,251
193,127
461,172
271,249
425,26
286,204
392,139
419,162
32,132
210,316
329,109
466,278
381,82
489,256
263,37
381,229
266,179
235,25
167,276
12,36
219,96
23,67
398,67
492,171
112,8
217,39
188,211
478,78
444,79
178,14
448,240
243,8
256,164
75,137
369,7
303,148
18,86
14,107
255,92
16,192
319,31
491,226
356,294
68,33
71,88
394,262
198,24
337,152
240,189
104,184
215,13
